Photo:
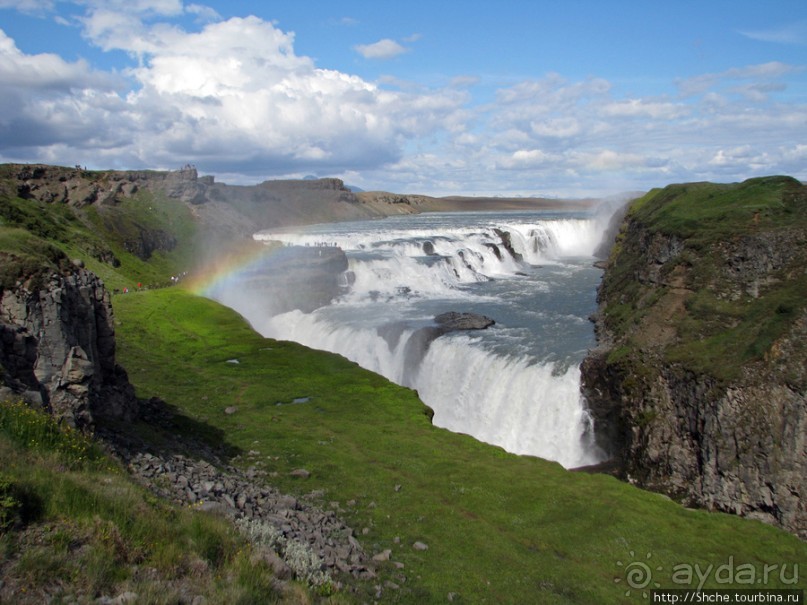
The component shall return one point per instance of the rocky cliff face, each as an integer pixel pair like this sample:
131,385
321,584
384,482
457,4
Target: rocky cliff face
78,187
699,386
57,349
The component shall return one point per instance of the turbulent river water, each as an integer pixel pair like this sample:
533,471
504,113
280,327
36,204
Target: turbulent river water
515,384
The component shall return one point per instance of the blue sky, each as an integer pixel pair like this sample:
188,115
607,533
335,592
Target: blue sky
569,98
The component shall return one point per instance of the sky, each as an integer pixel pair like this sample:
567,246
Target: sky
560,99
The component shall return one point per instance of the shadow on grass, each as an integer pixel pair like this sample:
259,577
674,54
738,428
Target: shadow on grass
162,428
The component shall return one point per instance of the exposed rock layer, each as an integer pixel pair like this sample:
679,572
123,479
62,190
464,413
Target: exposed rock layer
57,348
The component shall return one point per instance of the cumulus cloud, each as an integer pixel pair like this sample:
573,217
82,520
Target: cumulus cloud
203,13
551,134
643,108
44,71
233,95
45,97
383,49
241,78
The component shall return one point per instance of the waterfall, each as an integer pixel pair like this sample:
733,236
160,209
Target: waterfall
516,384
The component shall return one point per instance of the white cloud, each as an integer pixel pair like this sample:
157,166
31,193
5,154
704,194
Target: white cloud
608,160
344,22
203,13
791,33
34,7
464,81
642,108
383,49
43,71
762,73
234,95
524,159
164,8
559,128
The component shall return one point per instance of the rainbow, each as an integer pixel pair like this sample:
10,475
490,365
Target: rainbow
231,266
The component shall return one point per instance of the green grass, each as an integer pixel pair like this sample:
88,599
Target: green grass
72,524
720,336
152,213
704,212
500,528
24,255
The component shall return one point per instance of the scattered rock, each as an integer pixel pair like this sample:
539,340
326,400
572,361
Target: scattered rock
420,546
383,555
235,494
230,410
300,473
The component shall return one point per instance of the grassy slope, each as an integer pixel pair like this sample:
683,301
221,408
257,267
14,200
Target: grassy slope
74,527
500,528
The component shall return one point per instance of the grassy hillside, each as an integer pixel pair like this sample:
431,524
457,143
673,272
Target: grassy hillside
723,316
143,238
500,528
73,528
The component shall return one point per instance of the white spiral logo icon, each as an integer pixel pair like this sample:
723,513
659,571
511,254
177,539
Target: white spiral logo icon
637,574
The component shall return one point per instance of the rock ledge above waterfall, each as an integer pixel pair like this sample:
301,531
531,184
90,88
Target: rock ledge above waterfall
453,321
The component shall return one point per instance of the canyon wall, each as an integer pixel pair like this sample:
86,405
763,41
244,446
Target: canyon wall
698,387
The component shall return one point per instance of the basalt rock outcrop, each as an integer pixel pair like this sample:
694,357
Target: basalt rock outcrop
78,187
698,387
57,348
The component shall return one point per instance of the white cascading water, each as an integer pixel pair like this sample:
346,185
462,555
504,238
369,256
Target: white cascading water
517,384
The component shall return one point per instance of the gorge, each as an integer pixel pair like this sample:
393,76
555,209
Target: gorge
691,374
